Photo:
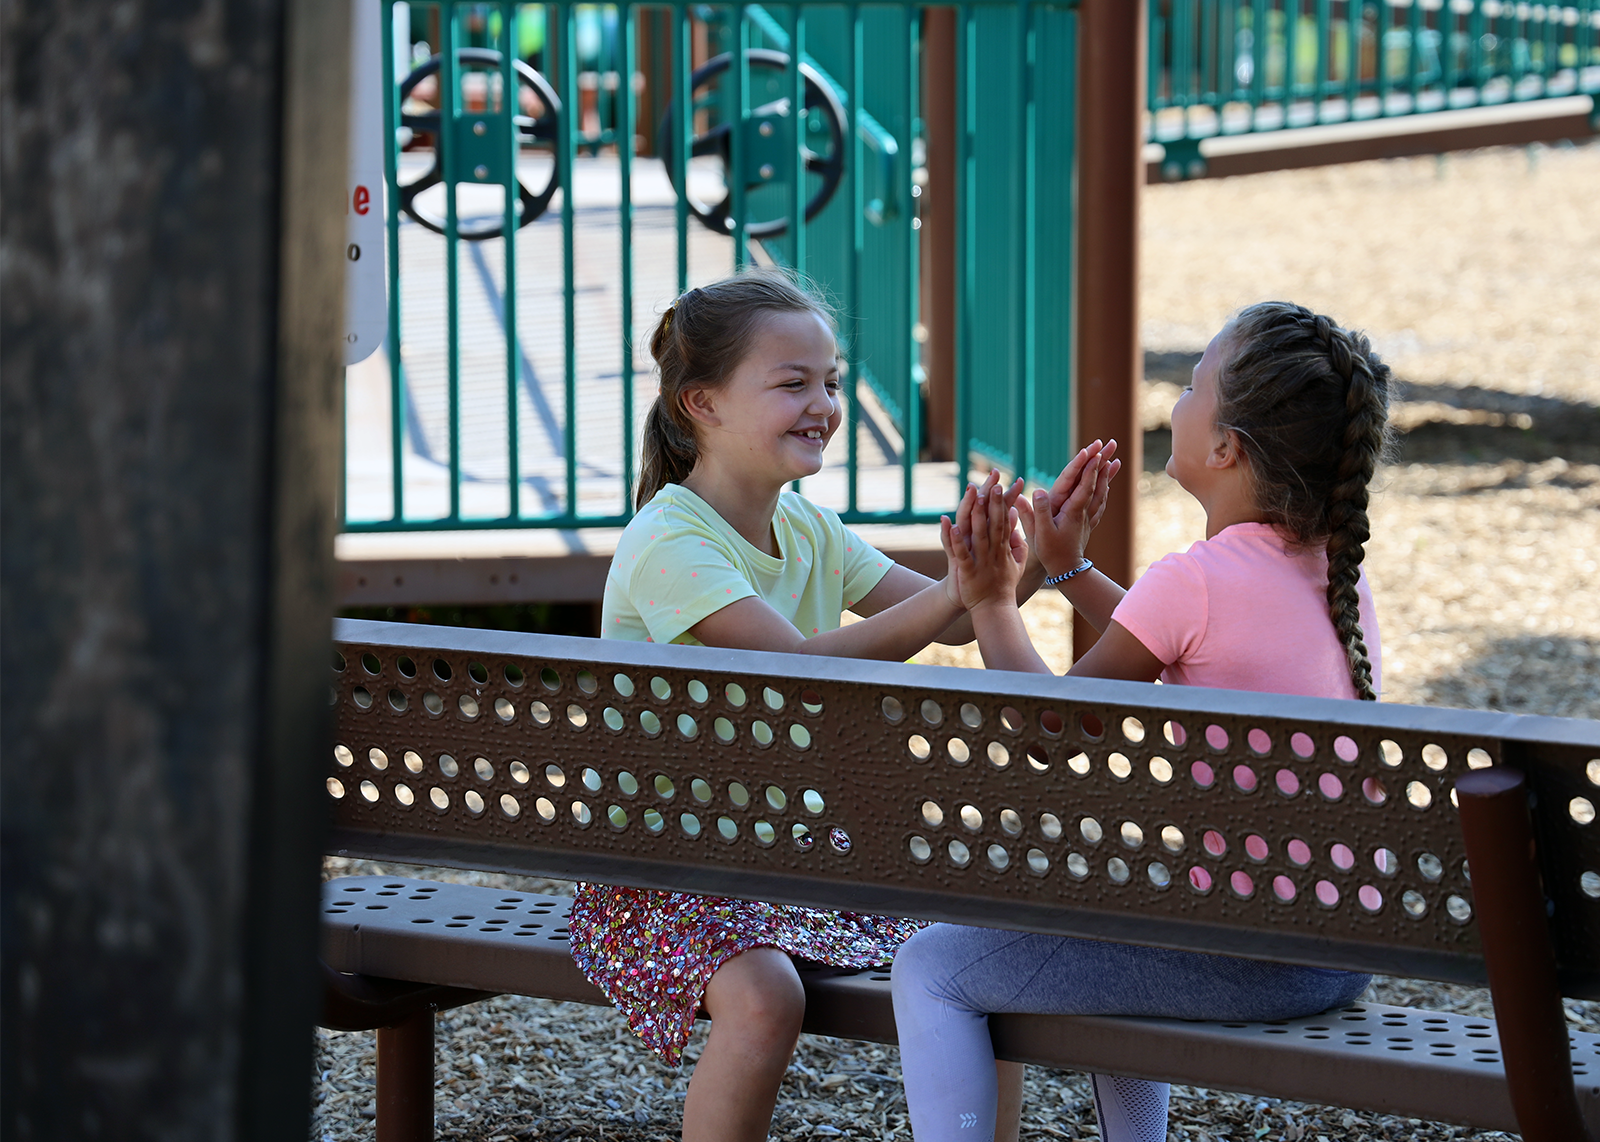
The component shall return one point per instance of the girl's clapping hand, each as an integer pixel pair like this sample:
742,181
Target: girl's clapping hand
985,548
1058,522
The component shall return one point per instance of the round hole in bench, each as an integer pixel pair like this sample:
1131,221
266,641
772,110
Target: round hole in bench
700,790
1132,834
799,736
1091,727
339,663
931,713
613,719
591,780
398,701
738,794
1038,862
1302,746
653,820
554,776
439,799
999,756
921,850
622,684
724,730
1090,830
1174,732
803,840
581,813
577,717
588,683
441,670
483,769
549,679
1079,764
1051,724
1217,738
343,756
1160,876
919,747
777,799
1329,785
1581,810
1478,758
540,713
468,705
617,816
1199,879
478,672
335,788
513,675
735,695
771,699
1133,729
1038,760
510,806
1256,848
1458,909
971,818
1117,869
1161,770
1010,822
1214,843
1283,888
762,733
1259,741
1286,781
1370,899
1592,771
1077,866
1589,882
765,834
839,840
504,710
377,759
362,697
1434,757
370,663
1244,779
473,801
970,716
697,691
1241,884
893,711
1327,893
688,728
1121,768
1418,795
649,723
1172,838
999,859
628,784
812,800
1385,861
664,787
661,688
1299,852
959,854
1202,773
1372,788
1430,867
1390,753
811,702
1345,749
1050,826
413,761
1343,859
403,794
958,750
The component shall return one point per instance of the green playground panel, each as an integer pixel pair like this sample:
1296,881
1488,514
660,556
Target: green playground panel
1016,105
1235,66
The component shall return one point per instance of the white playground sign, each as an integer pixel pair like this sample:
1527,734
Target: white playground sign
366,310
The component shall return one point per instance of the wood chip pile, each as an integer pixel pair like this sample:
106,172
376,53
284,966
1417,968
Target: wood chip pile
1475,276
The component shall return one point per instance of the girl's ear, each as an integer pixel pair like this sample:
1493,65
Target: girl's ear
1225,452
700,404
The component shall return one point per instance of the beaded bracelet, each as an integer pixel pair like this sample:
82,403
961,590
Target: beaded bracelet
1057,580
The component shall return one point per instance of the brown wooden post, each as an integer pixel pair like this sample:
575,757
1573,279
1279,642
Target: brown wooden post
405,1080
1111,90
938,232
1508,895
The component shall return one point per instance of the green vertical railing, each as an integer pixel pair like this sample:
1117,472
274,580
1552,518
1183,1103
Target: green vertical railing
513,367
1226,67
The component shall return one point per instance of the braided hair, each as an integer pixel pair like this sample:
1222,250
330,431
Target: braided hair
1308,403
698,343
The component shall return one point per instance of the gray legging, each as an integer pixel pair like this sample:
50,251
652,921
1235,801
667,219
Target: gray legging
948,978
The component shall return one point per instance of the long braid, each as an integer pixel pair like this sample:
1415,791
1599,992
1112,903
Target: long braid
1349,528
1308,403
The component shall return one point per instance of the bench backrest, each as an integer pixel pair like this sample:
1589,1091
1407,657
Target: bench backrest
1299,829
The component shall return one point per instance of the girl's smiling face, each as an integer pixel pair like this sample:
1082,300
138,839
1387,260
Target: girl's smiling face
1195,438
780,406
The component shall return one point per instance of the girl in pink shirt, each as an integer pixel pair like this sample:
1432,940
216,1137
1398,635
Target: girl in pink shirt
1277,437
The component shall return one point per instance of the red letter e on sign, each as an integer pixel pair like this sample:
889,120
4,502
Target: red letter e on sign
363,200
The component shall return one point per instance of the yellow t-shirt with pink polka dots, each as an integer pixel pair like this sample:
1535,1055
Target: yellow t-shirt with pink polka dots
678,561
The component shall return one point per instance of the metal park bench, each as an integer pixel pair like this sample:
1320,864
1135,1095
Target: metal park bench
1305,830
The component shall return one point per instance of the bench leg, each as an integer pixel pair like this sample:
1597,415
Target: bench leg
1510,902
405,1080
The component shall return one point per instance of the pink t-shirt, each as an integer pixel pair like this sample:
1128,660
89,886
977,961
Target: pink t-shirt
1242,611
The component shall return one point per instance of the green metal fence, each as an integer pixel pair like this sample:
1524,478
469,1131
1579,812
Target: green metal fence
532,241
1234,66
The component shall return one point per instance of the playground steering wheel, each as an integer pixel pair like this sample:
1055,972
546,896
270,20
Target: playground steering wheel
531,132
820,100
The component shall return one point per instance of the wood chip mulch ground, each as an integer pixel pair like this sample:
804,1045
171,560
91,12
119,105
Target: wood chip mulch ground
1476,276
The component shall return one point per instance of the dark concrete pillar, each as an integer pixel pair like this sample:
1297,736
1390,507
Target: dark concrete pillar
170,424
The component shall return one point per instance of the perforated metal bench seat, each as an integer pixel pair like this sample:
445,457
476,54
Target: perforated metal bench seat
1392,1060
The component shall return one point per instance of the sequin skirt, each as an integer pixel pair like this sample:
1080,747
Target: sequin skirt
653,953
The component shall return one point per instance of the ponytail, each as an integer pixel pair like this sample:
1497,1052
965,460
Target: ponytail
698,343
1308,403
